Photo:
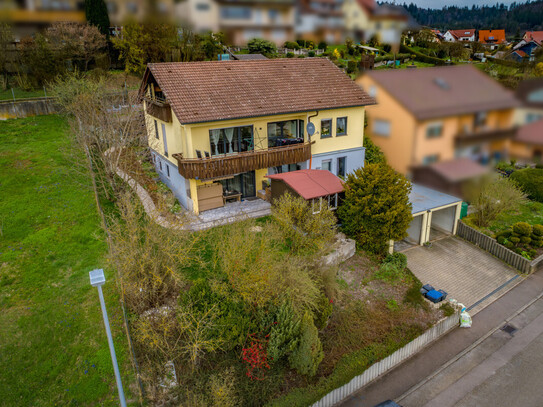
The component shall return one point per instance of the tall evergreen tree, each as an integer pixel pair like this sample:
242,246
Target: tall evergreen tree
96,14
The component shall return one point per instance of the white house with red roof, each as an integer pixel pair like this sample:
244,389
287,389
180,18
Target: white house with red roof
467,35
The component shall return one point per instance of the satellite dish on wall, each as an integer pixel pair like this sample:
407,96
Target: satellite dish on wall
310,129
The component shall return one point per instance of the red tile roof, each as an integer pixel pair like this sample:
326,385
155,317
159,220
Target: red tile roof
462,33
459,169
444,91
531,133
492,36
536,36
311,183
221,90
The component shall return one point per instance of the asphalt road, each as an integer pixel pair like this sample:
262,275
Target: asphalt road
410,374
506,369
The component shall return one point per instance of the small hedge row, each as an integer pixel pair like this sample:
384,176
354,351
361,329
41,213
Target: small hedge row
390,57
421,57
530,180
522,238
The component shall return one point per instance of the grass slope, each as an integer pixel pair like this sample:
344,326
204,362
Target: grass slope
53,347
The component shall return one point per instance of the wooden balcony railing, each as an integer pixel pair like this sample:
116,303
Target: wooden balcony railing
225,165
159,108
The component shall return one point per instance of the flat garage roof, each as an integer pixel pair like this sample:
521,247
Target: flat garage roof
425,199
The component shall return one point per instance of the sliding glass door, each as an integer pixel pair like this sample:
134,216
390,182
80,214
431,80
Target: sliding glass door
243,183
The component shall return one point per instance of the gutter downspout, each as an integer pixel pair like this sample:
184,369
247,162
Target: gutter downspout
309,137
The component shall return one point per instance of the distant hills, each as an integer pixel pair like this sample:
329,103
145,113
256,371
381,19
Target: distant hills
515,19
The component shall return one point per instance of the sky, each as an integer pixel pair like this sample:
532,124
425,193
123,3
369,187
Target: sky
459,3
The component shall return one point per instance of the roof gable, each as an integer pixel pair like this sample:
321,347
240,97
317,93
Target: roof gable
492,36
221,90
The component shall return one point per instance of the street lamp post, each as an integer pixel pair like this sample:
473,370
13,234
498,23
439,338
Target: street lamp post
97,279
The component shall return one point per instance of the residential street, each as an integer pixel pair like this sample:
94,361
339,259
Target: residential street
399,381
505,369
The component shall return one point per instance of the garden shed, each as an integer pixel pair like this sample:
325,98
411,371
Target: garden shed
316,186
435,214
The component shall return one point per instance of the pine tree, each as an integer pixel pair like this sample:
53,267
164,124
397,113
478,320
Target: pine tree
284,335
376,207
96,14
307,357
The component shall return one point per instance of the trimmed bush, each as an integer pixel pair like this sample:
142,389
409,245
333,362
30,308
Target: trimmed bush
530,181
522,229
307,357
538,230
351,66
525,240
311,54
514,239
290,55
421,57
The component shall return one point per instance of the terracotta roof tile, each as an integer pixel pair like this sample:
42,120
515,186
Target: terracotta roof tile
531,133
536,36
221,90
458,169
492,36
311,183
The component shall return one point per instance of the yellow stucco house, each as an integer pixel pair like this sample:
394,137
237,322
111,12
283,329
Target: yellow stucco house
441,118
217,129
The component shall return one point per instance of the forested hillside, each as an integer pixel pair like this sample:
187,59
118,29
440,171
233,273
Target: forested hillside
515,19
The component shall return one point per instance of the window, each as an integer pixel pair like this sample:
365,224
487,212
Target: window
279,34
332,202
280,169
160,165
381,128
326,128
273,14
327,165
434,130
533,117
233,12
430,159
202,6
156,131
341,162
372,91
285,133
480,119
167,170
165,140
341,126
231,140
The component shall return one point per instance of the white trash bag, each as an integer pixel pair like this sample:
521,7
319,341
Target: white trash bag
465,319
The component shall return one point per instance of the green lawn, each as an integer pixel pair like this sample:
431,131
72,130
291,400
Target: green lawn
20,93
53,347
531,212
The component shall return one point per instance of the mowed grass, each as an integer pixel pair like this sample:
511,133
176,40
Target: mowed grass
53,346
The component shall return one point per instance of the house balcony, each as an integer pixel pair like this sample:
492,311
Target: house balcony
479,135
159,108
230,164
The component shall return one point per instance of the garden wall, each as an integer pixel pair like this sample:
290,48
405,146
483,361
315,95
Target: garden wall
490,245
377,369
25,108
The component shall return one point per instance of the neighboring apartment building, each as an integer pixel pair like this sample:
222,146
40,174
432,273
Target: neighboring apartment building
467,35
365,19
30,16
120,11
320,20
222,126
492,38
528,143
442,114
241,20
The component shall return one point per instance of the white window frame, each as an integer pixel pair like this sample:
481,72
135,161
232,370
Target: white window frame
329,161
167,170
160,165
431,127
378,129
332,199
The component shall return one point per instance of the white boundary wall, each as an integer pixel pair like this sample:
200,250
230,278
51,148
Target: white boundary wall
380,368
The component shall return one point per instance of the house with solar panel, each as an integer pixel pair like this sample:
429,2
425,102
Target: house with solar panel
218,129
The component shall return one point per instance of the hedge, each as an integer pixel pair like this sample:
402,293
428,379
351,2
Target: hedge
530,181
505,62
423,58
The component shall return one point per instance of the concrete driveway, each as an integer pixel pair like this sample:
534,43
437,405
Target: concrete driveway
467,273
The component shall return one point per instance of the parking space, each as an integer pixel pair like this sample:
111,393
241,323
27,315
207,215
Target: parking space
464,271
